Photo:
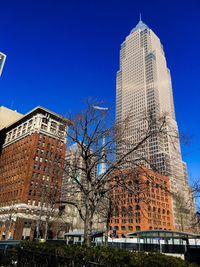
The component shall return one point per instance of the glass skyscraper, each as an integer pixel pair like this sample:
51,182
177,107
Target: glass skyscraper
144,87
2,61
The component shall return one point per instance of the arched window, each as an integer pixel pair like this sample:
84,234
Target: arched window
123,211
116,212
167,212
163,211
137,214
130,211
137,207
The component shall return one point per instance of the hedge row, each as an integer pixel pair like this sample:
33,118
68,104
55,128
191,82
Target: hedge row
103,255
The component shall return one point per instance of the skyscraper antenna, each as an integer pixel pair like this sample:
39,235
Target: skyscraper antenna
140,17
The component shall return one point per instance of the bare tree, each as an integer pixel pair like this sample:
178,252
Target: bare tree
183,211
8,219
105,212
194,196
129,184
129,197
93,136
49,209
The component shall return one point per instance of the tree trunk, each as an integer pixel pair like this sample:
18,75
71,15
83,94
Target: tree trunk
182,225
46,230
88,228
106,232
87,232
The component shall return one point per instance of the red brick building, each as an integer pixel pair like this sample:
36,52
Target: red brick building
32,152
141,201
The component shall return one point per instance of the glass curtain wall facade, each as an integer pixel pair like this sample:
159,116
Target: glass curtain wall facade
144,87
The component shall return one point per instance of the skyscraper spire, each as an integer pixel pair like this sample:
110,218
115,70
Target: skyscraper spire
141,25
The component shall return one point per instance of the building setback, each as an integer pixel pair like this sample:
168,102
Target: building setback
32,156
141,201
144,89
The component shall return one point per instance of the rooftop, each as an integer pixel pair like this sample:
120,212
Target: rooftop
162,233
8,116
140,26
18,118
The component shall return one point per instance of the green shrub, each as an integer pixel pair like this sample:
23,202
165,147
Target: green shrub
108,257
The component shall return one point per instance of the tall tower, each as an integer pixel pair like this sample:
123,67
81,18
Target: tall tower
144,86
2,62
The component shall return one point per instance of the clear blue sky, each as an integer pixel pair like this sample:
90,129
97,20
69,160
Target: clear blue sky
62,51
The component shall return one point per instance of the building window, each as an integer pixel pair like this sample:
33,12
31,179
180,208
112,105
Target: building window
137,228
44,120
